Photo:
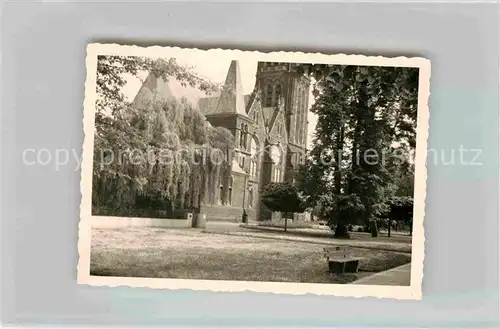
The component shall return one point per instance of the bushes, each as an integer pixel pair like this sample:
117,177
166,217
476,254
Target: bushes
281,224
130,212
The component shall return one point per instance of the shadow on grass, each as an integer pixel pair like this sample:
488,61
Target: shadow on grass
383,261
272,266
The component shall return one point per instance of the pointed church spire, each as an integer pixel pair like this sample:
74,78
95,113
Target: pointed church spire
231,99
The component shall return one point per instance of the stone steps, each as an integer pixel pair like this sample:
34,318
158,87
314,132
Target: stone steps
224,213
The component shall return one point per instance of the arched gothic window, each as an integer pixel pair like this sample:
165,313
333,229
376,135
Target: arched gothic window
242,160
275,154
253,168
276,174
299,99
241,134
255,117
268,100
280,128
277,94
276,157
298,115
254,149
245,138
272,94
303,117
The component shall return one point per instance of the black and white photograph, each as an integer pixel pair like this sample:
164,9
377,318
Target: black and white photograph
229,170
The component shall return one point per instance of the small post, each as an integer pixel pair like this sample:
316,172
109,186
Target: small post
244,216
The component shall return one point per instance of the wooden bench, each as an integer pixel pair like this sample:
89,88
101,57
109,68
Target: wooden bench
340,261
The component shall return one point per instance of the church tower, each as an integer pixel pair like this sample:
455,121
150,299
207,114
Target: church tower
284,101
282,81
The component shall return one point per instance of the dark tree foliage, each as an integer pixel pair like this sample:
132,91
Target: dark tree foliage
284,198
401,210
364,140
338,209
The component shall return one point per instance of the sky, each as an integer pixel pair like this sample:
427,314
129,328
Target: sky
214,67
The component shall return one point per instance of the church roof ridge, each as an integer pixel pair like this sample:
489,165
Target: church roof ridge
152,88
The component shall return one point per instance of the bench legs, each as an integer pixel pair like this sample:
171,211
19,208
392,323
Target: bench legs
343,267
352,267
336,267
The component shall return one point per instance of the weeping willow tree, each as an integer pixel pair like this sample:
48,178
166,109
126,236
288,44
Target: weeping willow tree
163,156
173,158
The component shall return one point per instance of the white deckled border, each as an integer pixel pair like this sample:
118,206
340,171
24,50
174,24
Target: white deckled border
414,291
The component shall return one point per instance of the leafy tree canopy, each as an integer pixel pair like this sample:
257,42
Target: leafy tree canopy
282,197
366,116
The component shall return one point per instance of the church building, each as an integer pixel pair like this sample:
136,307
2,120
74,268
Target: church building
270,130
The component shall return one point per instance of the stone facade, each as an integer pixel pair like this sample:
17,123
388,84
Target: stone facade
270,130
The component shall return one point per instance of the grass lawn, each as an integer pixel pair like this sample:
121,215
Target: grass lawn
190,254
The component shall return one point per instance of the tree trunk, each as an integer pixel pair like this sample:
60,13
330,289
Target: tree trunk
286,220
341,231
357,123
170,209
355,143
374,229
341,227
389,228
182,196
338,160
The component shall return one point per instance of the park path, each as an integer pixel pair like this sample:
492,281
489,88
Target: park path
398,276
279,235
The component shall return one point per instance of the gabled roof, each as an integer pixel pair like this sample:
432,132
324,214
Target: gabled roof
250,102
152,89
229,100
155,88
208,105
